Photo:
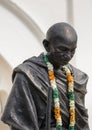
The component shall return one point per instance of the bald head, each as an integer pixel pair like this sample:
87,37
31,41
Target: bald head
63,31
60,43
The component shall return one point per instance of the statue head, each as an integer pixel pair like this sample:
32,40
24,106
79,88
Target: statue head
60,43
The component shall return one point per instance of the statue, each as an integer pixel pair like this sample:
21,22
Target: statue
48,92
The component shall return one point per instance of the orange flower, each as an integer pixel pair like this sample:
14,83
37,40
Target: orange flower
72,115
51,75
70,78
57,112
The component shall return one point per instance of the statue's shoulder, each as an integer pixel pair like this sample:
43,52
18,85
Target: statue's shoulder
78,74
80,79
30,66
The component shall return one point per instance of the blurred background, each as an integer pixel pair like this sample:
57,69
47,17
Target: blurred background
23,24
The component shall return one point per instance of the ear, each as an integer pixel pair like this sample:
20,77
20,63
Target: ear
46,45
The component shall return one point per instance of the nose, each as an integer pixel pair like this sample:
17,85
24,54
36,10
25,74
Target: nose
67,56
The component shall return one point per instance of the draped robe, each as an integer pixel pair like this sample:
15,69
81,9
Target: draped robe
27,102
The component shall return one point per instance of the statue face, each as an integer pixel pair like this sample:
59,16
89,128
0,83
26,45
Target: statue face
61,52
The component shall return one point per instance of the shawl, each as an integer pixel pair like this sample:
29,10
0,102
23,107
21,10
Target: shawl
27,102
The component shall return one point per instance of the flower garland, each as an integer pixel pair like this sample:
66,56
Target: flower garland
70,80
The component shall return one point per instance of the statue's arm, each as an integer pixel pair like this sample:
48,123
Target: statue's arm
20,111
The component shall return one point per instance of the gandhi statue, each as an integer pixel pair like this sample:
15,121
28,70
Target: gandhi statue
48,93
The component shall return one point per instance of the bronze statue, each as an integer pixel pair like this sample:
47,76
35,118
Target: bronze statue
48,92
